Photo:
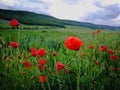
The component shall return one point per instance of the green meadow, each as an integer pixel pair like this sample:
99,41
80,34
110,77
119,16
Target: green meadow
84,73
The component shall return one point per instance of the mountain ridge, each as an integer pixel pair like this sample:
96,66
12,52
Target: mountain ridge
31,18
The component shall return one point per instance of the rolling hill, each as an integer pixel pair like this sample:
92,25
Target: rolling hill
31,18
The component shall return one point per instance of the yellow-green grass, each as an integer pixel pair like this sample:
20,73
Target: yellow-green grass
84,73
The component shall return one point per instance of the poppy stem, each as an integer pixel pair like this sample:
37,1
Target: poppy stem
18,38
19,35
48,85
78,74
57,74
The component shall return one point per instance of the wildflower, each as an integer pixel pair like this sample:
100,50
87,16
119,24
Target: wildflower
41,52
91,47
33,51
59,66
27,64
14,22
41,62
73,43
113,68
98,31
110,52
113,57
53,53
42,79
42,67
103,48
83,54
96,62
93,33
14,44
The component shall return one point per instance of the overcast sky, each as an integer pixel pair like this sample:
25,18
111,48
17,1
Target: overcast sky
105,12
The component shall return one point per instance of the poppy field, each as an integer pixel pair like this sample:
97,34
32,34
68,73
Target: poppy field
71,58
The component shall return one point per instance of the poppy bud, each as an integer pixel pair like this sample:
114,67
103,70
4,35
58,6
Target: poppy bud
14,44
27,64
42,79
33,52
53,53
96,62
91,47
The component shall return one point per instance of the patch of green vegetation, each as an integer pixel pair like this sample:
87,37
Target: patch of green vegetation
14,75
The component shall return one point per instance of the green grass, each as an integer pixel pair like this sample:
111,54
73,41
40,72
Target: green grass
4,23
90,76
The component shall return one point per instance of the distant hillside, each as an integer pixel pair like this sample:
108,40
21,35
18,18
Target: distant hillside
30,18
90,25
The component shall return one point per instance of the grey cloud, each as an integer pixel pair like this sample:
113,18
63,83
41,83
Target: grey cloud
38,6
105,15
107,12
2,6
42,2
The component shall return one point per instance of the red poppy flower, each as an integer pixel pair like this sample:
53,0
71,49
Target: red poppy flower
42,67
14,22
93,33
53,53
73,43
42,79
59,66
113,68
113,57
103,48
96,62
110,52
41,62
33,51
91,47
41,52
27,64
14,44
98,31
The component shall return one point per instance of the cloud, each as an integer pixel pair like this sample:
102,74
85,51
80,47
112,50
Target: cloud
38,6
106,14
64,10
8,4
71,2
117,20
107,2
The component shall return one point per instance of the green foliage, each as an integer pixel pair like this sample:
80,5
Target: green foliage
91,76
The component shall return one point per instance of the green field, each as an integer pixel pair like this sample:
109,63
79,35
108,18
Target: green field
84,73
